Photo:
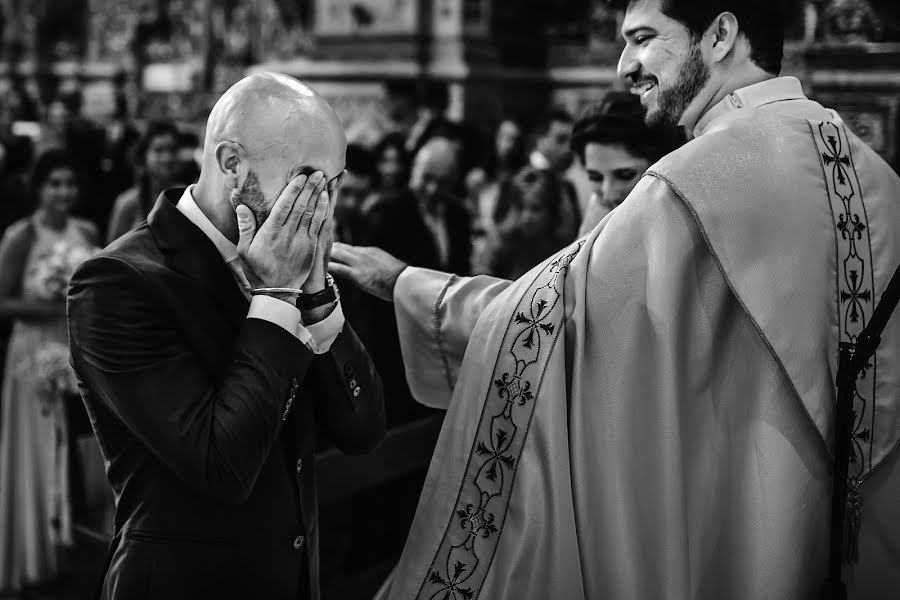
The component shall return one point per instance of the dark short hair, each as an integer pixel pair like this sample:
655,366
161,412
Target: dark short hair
761,21
72,100
545,183
44,165
360,160
618,119
402,88
554,115
154,130
395,140
435,96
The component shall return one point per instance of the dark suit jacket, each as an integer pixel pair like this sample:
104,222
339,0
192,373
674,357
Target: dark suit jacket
396,225
392,221
208,419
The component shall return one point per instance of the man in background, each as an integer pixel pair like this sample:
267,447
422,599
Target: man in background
552,152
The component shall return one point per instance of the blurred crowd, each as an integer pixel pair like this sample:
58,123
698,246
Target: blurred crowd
433,192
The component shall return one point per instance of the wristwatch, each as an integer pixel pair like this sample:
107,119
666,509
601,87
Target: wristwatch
330,295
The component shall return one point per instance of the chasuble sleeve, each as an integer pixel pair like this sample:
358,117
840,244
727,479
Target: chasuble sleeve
436,313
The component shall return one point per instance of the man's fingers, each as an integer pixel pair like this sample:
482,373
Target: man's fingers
312,207
283,206
343,253
342,271
306,202
327,213
246,228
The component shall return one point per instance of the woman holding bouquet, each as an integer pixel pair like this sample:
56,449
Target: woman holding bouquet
38,255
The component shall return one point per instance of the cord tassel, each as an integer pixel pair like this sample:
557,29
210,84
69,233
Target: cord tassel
852,524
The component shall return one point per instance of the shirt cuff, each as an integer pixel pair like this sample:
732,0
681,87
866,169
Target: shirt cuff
323,333
281,313
318,337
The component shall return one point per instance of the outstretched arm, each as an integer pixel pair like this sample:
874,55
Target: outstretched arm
436,314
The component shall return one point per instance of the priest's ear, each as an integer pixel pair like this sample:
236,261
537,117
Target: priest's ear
229,156
724,32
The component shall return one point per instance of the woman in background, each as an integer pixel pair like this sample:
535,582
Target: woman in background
616,147
156,158
530,230
38,254
392,163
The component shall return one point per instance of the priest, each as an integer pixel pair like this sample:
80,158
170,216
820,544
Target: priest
650,412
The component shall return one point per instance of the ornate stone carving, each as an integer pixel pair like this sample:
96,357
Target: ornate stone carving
345,17
850,21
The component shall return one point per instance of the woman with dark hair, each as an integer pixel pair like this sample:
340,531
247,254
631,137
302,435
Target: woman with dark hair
38,254
507,155
391,163
531,228
156,161
616,147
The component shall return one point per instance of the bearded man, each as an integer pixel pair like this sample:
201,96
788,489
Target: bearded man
650,412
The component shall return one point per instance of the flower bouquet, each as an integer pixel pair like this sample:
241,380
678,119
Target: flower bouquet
55,268
49,365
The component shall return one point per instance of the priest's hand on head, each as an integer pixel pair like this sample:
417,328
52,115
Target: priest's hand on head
371,269
280,253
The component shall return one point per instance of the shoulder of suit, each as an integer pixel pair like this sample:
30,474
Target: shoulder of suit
137,247
125,260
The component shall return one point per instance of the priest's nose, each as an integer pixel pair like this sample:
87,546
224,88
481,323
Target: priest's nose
629,66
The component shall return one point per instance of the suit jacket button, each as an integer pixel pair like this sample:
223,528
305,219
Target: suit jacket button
356,392
352,383
299,465
298,542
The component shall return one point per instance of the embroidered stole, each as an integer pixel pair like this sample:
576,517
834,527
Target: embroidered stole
463,558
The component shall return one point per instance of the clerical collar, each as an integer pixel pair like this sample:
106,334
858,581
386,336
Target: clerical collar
752,96
188,207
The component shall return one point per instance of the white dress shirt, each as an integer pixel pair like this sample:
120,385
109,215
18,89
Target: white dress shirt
539,161
318,337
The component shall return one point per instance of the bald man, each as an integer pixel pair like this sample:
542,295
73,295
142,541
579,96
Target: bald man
426,224
210,346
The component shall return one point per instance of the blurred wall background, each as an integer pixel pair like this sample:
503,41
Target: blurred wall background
155,58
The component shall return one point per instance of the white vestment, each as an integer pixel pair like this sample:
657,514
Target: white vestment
649,413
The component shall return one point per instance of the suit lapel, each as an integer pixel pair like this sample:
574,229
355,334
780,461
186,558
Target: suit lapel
192,254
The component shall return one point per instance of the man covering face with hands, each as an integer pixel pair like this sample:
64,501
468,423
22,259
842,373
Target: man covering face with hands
211,350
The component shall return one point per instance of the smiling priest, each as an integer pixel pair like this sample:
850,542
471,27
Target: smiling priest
650,412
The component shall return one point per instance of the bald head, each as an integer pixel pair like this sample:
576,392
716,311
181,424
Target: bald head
435,169
268,111
263,131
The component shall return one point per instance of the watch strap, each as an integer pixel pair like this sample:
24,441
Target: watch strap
329,295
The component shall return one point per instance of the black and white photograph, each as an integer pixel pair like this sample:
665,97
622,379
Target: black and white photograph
449,299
